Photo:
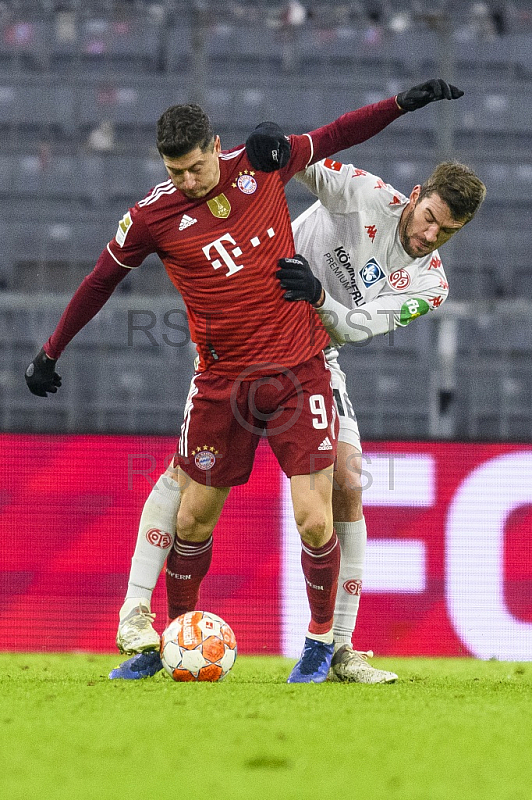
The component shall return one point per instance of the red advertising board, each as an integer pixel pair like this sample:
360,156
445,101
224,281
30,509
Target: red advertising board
449,560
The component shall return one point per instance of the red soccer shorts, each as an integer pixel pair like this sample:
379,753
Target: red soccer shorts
225,419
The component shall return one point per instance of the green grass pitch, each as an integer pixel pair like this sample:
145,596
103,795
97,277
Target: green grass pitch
450,729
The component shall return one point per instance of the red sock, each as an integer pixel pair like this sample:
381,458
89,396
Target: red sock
186,566
320,568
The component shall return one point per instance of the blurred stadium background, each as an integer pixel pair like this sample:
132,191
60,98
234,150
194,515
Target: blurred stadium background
69,68
82,84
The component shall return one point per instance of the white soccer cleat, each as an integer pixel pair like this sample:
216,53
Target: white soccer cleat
351,666
136,633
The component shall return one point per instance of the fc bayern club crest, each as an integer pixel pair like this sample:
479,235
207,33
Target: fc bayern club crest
399,280
246,183
205,457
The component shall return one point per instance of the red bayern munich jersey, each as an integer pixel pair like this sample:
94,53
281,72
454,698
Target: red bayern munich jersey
221,253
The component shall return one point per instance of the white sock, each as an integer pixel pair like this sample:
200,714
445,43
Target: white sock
326,638
156,536
352,537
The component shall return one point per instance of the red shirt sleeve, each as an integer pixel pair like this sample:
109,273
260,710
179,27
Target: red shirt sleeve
348,130
132,241
129,247
92,294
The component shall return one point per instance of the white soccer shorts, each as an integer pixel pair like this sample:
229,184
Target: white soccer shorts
348,432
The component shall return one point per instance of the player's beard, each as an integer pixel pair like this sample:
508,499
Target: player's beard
406,238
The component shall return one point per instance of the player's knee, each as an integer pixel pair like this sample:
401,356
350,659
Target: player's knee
347,493
194,524
314,529
347,504
348,477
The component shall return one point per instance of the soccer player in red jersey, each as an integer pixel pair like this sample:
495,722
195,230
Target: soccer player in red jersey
220,226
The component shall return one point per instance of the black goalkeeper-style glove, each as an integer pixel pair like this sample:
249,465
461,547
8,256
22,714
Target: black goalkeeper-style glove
298,279
268,148
41,376
427,92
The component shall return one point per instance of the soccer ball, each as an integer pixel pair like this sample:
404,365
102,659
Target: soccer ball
198,646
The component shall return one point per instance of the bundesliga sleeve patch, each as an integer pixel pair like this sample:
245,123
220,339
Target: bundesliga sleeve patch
123,227
414,307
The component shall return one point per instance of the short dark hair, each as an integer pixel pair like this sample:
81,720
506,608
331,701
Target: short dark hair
458,186
181,129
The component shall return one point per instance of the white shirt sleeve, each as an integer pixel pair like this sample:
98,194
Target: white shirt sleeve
341,188
347,325
381,315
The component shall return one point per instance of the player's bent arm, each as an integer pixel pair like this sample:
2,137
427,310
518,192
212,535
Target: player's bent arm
382,315
347,325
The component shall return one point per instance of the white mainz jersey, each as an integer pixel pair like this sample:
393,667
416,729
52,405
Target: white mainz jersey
350,237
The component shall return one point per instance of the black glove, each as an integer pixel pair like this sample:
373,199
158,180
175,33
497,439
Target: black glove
427,92
297,278
41,376
268,148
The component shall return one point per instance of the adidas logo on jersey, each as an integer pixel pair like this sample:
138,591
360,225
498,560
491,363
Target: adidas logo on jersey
186,222
326,444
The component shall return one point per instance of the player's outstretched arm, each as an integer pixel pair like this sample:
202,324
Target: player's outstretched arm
357,126
268,148
88,299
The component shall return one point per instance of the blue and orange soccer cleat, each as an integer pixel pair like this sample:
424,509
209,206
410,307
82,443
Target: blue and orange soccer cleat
314,664
142,665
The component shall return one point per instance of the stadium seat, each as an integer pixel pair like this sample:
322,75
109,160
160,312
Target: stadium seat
494,397
36,102
129,179
350,52
127,101
6,175
24,43
62,201
104,44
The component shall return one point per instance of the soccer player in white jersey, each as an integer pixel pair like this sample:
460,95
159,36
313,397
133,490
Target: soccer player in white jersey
369,263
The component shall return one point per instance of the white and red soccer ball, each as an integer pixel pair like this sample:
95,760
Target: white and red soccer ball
198,646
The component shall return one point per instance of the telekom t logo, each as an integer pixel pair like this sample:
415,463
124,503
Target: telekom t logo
224,254
227,255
